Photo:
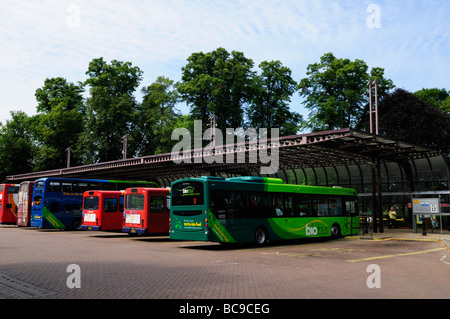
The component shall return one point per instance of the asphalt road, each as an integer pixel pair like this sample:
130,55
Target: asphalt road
54,264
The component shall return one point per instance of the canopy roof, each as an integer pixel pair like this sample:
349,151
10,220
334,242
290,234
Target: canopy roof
322,149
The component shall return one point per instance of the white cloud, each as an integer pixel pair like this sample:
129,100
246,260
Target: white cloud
42,39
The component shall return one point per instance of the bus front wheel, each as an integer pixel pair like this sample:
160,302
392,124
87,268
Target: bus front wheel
261,236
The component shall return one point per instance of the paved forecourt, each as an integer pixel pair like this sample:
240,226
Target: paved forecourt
58,264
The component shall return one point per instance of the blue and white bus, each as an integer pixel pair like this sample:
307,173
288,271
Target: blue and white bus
58,202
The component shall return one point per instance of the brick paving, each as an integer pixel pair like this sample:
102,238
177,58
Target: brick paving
118,266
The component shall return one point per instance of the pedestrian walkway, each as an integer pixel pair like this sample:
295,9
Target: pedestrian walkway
408,234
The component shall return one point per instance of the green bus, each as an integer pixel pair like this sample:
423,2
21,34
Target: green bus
258,209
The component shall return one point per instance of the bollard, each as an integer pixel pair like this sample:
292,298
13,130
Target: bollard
424,227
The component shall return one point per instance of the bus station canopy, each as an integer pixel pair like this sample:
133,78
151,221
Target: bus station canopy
341,147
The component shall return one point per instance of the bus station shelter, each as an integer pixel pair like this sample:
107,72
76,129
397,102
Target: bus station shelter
384,171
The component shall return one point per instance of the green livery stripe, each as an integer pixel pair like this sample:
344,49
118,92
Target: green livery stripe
217,228
55,222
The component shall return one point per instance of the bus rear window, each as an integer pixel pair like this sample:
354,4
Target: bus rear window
134,202
91,203
187,193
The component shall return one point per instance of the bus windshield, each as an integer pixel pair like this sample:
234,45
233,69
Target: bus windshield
134,202
91,203
187,193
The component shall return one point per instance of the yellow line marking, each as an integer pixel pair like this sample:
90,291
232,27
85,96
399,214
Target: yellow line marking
395,255
443,244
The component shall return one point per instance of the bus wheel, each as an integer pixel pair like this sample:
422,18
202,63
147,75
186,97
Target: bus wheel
335,231
261,236
76,224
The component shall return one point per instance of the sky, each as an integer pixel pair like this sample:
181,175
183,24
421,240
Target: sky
42,39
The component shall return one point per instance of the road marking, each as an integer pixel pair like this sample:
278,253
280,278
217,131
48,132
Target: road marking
395,255
442,259
445,244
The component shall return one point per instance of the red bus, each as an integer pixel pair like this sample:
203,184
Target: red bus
102,210
9,198
25,203
146,211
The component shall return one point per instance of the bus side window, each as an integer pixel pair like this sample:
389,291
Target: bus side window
288,205
335,206
54,187
66,187
302,206
54,207
108,186
80,187
94,186
76,210
157,204
277,203
320,206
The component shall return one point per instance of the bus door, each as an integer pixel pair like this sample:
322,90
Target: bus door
158,214
351,209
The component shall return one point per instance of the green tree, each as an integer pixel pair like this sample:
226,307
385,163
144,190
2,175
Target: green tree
336,92
217,83
16,146
436,98
273,89
109,109
58,123
157,117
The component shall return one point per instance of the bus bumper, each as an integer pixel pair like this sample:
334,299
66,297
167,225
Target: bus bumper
134,230
87,227
194,236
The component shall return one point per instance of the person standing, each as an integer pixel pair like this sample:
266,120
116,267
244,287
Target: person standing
392,217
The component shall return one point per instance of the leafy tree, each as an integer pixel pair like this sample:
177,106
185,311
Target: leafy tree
217,83
273,89
109,109
58,123
336,92
405,117
157,117
16,147
436,98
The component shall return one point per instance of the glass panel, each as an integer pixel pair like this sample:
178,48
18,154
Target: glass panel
157,204
110,205
187,193
91,203
134,202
